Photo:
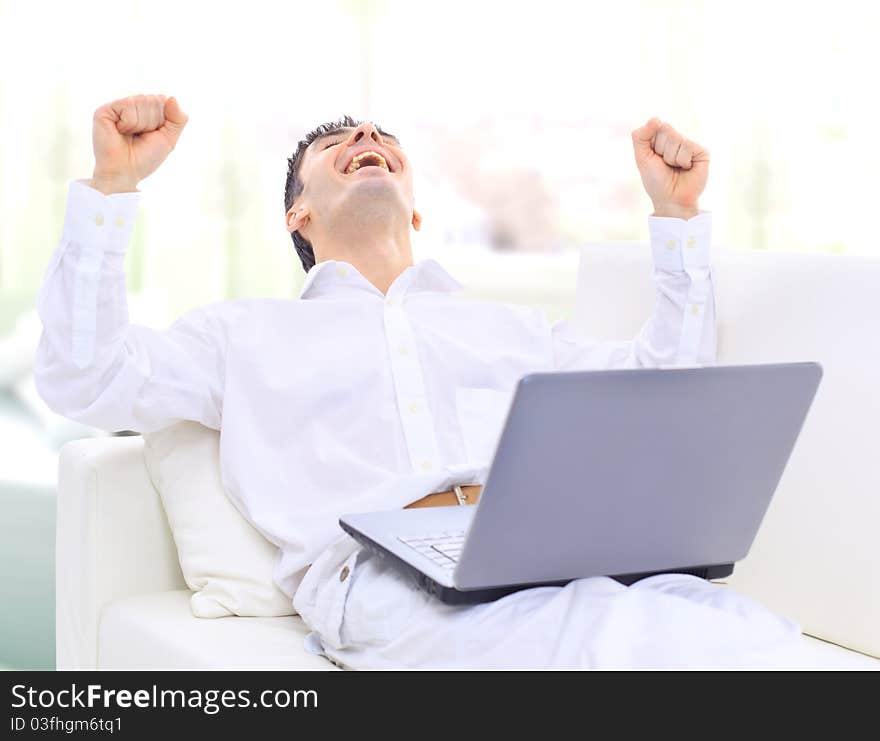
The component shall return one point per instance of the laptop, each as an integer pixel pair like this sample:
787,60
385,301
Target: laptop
619,473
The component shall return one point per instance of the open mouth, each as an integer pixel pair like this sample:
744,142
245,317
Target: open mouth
367,159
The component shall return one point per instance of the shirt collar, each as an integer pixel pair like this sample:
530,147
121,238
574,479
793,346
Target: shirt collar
334,277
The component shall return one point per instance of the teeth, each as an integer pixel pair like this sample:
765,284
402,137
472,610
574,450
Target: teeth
356,162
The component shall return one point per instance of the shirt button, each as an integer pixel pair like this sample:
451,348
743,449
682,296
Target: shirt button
413,408
389,301
671,243
426,465
402,348
343,575
99,219
341,271
119,221
695,309
691,242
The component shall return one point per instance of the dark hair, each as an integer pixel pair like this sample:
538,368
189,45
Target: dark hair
294,185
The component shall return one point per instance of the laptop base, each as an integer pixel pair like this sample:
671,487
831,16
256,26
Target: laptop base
452,596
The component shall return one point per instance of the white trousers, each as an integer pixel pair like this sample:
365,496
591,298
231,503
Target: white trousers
365,614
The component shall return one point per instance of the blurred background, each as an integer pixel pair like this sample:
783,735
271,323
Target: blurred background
516,116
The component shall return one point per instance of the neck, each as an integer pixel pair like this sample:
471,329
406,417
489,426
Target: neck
379,257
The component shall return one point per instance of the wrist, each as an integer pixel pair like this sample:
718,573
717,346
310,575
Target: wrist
675,211
109,184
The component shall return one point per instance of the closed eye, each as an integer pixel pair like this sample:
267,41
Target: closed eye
393,140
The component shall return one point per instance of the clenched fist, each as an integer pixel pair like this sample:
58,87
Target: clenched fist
132,137
674,169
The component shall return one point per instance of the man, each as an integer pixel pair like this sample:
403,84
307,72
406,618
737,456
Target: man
379,388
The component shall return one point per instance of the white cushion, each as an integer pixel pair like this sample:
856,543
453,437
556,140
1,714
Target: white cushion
815,557
224,560
158,631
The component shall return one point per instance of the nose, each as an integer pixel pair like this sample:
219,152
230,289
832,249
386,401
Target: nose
366,129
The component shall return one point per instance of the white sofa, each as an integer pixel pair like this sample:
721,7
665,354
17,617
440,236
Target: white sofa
122,602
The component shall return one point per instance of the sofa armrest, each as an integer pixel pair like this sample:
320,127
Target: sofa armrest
112,540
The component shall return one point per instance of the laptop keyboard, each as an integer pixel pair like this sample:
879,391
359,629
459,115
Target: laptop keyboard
442,548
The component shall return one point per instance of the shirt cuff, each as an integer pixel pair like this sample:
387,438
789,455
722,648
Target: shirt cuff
680,244
93,218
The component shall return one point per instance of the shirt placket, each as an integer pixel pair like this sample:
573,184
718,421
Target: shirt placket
409,387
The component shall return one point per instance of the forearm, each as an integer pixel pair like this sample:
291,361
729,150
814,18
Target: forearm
82,303
681,331
95,367
681,328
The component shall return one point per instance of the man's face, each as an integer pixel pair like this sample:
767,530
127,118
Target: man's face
355,174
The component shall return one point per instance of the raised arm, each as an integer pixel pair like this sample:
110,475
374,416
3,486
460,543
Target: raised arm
681,330
91,364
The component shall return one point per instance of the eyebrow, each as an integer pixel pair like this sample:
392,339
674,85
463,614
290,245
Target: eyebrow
349,128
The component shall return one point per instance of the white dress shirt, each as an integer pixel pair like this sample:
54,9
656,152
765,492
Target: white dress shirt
345,399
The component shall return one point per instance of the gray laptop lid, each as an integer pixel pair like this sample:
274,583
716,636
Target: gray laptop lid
626,471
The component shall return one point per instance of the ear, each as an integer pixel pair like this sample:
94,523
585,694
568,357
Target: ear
297,218
416,220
